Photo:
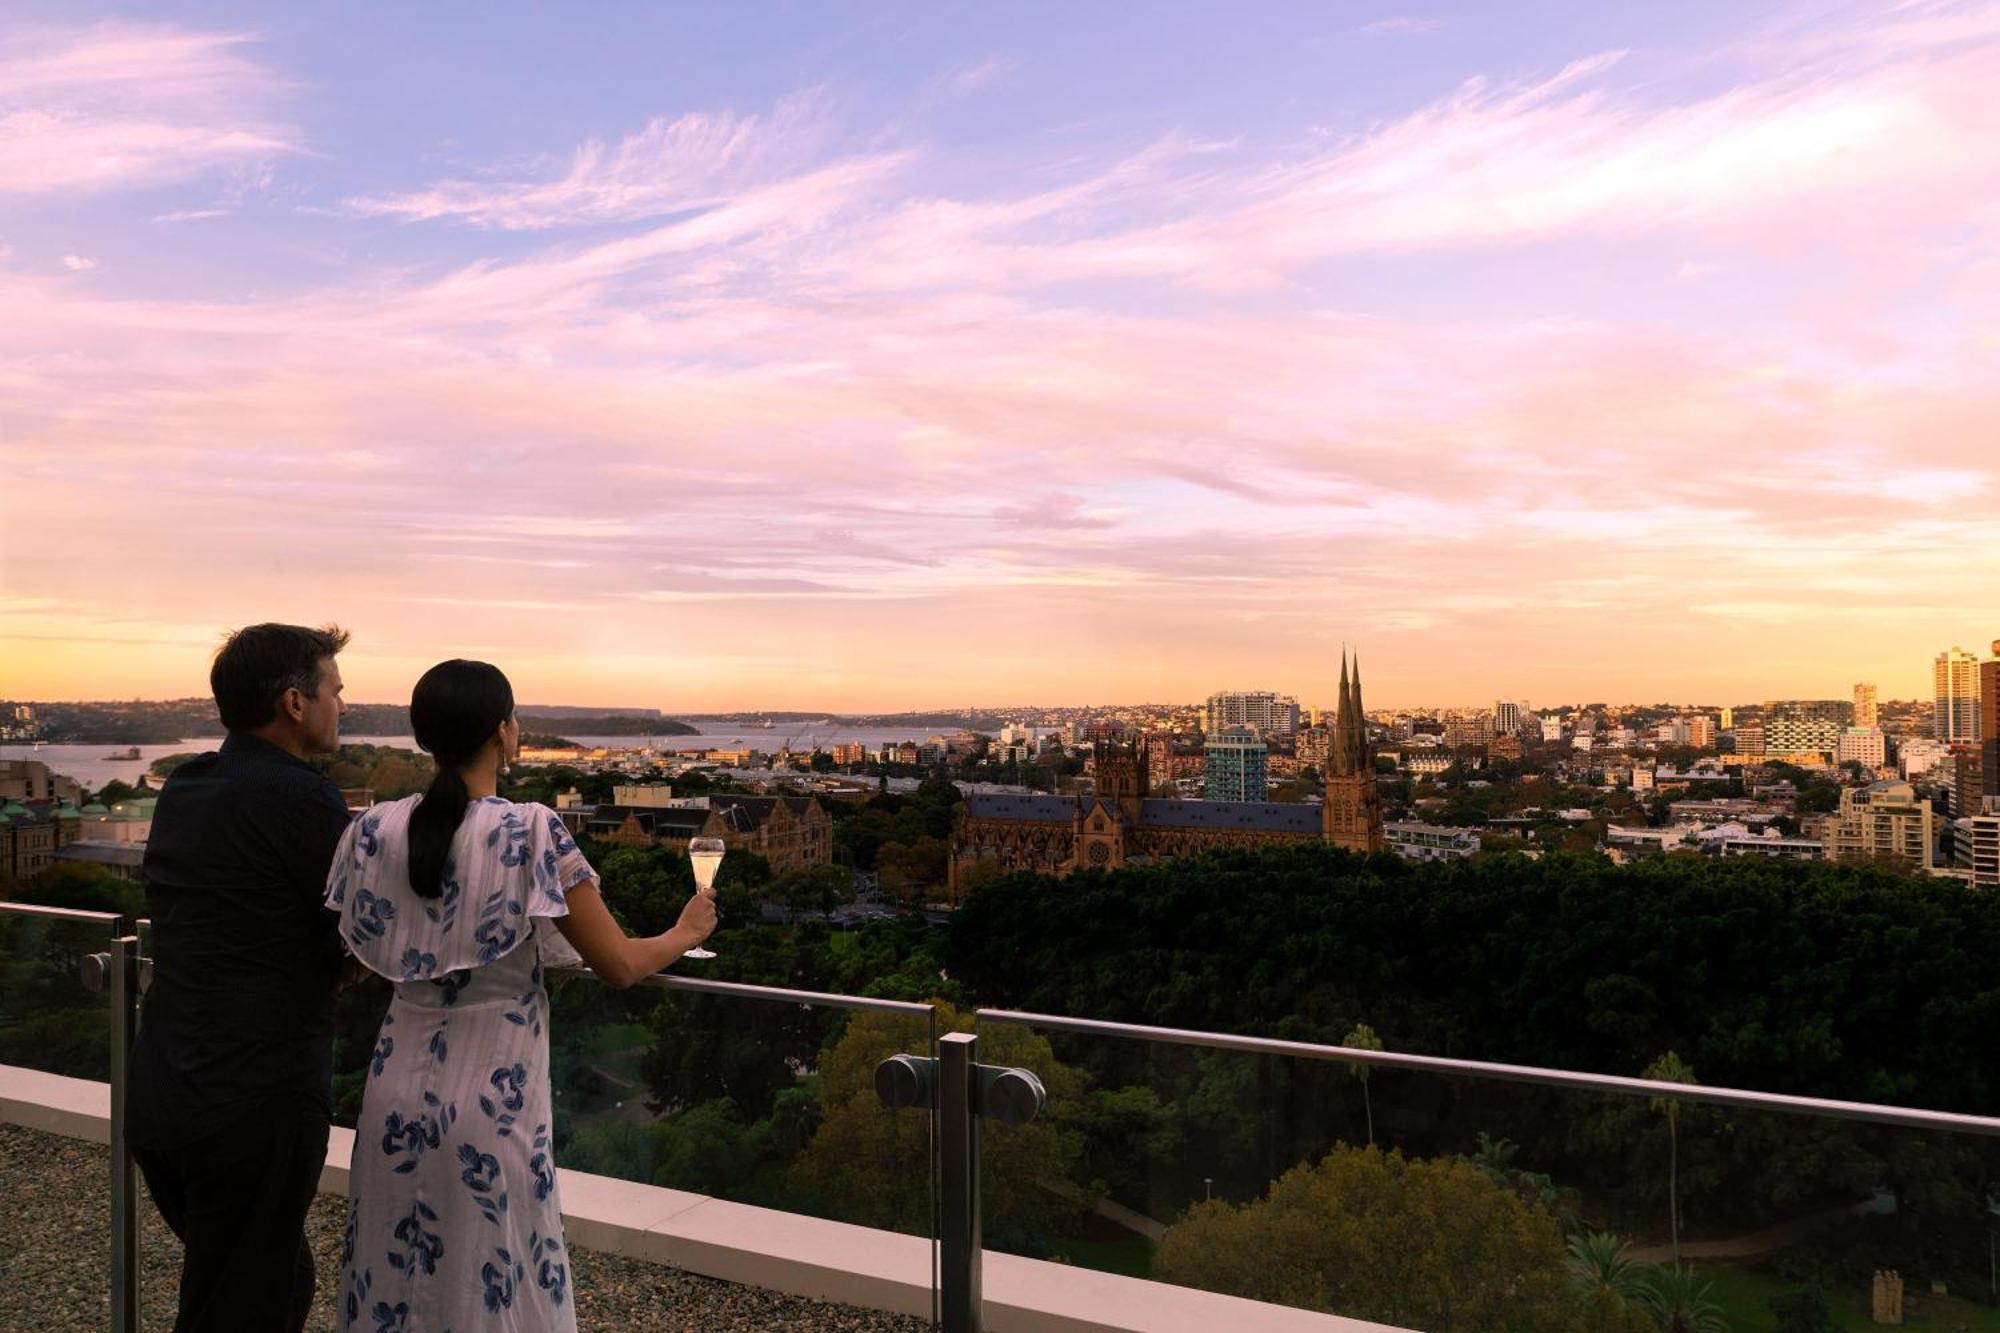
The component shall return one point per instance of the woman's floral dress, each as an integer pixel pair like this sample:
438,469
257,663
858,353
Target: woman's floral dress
453,1220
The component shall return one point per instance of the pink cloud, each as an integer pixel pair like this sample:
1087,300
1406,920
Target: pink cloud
692,162
119,105
759,446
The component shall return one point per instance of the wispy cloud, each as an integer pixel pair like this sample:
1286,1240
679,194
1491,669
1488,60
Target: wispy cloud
122,104
689,163
1115,417
78,263
1402,24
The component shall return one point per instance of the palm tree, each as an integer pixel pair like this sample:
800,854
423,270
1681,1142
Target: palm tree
1363,1038
1679,1303
1598,1263
1670,1068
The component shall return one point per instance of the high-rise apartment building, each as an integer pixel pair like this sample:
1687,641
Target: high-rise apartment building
1506,717
1955,694
1884,819
1263,712
1552,728
1989,725
1866,714
1238,761
1729,719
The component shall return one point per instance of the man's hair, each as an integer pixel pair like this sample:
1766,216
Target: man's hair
258,663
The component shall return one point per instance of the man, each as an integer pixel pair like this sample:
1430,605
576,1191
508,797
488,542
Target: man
232,1074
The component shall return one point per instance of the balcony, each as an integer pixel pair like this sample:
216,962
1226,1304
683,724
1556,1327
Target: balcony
917,1187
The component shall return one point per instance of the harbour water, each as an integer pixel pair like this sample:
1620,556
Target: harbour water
93,765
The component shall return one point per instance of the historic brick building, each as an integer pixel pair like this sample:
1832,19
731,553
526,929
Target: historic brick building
1121,824
788,831
32,834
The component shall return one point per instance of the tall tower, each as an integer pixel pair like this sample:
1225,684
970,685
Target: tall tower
1865,711
1351,812
1955,691
1989,728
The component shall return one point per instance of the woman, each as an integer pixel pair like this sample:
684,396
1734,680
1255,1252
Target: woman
454,1220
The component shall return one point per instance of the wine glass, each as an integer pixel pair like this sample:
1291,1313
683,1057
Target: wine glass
706,856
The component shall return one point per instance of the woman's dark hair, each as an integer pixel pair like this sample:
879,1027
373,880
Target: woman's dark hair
454,711
258,663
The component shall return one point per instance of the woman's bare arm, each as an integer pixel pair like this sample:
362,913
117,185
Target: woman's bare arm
619,959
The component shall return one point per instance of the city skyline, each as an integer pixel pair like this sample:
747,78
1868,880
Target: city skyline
877,361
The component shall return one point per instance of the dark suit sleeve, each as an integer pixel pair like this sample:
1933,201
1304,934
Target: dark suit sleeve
319,821
319,818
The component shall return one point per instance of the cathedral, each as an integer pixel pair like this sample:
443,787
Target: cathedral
1123,824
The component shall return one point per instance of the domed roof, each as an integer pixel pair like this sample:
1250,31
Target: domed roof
13,808
96,808
67,811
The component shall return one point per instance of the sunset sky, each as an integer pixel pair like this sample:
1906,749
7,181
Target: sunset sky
903,355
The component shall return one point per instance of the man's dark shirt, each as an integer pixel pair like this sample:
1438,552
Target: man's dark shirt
244,954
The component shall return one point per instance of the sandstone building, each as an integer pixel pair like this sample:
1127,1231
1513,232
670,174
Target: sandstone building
1121,824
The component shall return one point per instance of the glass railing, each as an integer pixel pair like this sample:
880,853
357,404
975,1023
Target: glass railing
754,1094
1422,1193
51,1017
1408,1191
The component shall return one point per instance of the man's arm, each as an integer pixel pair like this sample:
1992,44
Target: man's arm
319,822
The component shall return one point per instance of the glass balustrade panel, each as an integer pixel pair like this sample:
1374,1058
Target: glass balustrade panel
50,1019
1420,1200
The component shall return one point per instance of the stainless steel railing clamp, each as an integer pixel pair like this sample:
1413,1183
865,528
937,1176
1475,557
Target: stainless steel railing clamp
1005,1095
962,1092
95,973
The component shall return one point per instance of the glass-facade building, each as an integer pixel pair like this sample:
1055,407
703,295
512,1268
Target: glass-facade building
1238,765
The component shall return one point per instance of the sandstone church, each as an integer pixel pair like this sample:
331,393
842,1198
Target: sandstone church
1123,824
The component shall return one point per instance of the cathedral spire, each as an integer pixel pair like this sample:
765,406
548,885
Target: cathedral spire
1358,735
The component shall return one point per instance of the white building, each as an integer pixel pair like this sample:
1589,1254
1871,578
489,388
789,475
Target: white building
1552,728
1887,820
1919,756
1430,842
1672,838
1507,717
1976,847
1771,843
1955,686
1866,711
1866,746
1263,712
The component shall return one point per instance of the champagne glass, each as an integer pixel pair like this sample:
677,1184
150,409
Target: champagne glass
706,856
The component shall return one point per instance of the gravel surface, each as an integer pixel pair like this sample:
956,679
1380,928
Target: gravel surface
55,1242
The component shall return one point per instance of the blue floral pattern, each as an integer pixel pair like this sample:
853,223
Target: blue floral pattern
370,917
456,1220
417,1246
409,1138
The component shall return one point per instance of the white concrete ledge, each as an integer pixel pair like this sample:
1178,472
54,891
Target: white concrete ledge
788,1252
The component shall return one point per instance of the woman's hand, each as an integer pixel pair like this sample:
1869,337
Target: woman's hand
697,921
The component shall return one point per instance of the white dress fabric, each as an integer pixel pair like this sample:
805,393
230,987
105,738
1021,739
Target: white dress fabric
453,1219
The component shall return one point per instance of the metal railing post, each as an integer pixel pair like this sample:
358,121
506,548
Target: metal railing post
124,988
959,1092
958,1183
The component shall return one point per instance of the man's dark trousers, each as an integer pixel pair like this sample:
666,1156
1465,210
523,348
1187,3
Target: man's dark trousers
238,1201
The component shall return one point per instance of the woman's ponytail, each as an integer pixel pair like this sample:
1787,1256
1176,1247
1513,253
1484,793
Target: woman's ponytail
454,711
433,825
